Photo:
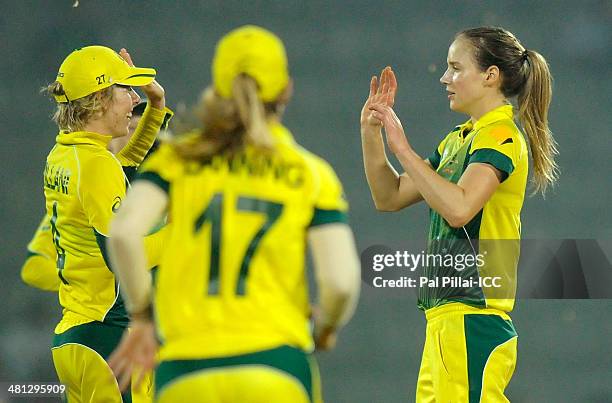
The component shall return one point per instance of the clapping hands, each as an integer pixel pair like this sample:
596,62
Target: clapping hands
378,111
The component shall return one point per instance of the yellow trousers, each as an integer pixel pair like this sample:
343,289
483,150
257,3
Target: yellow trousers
283,374
79,356
469,355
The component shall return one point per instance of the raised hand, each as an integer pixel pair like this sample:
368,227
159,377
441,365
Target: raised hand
382,92
155,93
396,138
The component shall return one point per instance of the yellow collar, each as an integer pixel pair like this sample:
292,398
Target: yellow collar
74,138
500,113
280,133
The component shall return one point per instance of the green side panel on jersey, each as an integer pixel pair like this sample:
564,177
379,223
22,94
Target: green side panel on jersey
117,314
444,240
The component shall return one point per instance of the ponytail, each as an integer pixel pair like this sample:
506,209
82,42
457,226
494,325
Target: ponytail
525,74
533,102
229,124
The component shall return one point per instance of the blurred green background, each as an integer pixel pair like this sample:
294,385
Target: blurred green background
334,47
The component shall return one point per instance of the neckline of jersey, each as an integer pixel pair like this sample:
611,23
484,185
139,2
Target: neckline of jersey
494,115
83,137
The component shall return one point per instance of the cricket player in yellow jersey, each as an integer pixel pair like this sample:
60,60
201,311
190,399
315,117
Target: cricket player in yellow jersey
231,299
40,269
84,186
474,184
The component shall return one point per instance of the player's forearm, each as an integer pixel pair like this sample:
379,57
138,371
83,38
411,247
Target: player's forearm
338,273
382,179
447,198
144,136
127,254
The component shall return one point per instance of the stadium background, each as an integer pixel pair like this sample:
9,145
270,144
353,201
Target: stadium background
333,49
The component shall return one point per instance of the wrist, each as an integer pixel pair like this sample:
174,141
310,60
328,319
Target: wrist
369,131
142,314
324,324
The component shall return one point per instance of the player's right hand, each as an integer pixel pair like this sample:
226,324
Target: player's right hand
156,95
325,338
135,354
382,91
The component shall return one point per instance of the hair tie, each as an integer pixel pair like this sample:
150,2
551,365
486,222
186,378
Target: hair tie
524,55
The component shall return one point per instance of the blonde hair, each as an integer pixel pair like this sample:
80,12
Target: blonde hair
230,124
73,116
525,74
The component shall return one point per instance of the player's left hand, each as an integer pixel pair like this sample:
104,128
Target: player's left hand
396,138
135,354
155,93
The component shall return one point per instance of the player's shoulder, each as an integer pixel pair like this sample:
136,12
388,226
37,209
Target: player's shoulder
317,165
290,149
502,127
499,133
96,161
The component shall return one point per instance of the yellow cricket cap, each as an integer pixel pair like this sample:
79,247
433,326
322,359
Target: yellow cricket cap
93,68
256,52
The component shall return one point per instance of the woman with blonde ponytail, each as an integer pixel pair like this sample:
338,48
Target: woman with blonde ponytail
231,300
474,183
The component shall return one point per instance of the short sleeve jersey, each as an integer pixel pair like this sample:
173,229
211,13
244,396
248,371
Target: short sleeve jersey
232,277
495,230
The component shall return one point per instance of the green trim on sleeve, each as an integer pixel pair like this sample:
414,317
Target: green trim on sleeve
495,158
154,178
321,217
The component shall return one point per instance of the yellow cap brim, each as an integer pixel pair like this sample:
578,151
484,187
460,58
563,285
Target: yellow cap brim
133,76
137,77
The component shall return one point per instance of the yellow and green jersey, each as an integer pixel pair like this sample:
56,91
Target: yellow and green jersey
39,269
493,235
232,277
84,185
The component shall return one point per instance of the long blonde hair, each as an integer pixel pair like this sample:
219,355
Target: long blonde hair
73,116
525,74
230,124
